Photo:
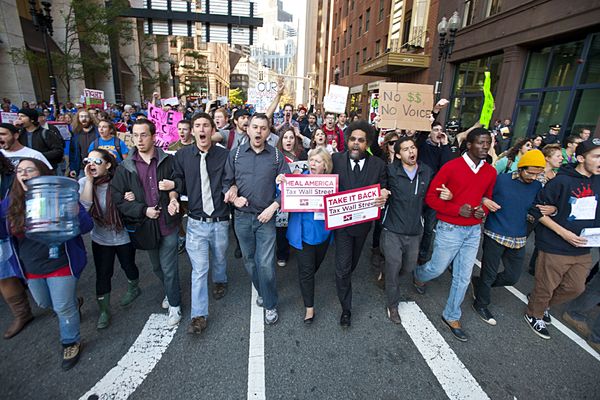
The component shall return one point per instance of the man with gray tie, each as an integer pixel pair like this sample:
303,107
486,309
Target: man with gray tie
198,173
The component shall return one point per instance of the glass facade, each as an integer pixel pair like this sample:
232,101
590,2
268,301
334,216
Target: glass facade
561,85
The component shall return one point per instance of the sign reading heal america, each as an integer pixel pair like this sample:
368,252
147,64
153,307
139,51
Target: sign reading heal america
304,193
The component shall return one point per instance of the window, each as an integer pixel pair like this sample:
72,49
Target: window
591,73
350,34
364,55
360,19
345,37
188,43
377,47
352,4
348,66
367,18
493,7
342,70
469,14
381,10
356,62
406,28
347,8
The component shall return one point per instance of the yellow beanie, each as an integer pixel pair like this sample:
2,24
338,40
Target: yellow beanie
533,158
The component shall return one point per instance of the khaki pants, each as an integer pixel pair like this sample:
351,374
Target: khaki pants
558,279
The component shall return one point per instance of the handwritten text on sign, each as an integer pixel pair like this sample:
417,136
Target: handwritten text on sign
351,207
305,192
405,106
335,101
166,125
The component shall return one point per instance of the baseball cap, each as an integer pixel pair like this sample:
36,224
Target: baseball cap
555,126
586,146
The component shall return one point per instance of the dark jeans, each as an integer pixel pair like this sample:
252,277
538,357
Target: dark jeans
165,265
493,253
309,260
104,261
401,252
377,234
429,222
579,307
283,246
347,254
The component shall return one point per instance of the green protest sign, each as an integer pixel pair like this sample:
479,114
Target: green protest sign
488,103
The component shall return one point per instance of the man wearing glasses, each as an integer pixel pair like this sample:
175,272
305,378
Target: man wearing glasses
143,190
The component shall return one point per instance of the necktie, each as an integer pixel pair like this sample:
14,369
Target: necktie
356,169
207,201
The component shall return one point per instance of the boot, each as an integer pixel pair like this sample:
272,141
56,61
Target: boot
133,291
104,317
19,305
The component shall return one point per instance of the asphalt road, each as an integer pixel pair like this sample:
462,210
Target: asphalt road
373,359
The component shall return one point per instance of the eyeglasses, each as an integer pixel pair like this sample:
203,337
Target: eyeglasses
97,161
392,142
29,170
359,140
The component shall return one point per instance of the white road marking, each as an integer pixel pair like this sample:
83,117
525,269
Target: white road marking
555,322
451,373
256,352
131,370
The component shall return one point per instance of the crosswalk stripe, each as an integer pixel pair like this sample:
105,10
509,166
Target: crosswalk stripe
256,352
451,373
131,370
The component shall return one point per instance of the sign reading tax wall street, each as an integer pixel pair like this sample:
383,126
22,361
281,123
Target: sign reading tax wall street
304,193
352,207
405,106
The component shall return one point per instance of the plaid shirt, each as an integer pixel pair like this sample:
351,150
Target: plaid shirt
507,241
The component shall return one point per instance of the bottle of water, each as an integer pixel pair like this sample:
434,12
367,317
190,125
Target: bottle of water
51,211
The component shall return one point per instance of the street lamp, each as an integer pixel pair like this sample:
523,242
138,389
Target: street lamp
445,46
336,74
42,21
172,63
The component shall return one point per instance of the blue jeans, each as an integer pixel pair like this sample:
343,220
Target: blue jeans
165,266
257,242
201,238
60,293
458,245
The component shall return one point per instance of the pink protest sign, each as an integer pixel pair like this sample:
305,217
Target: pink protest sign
166,125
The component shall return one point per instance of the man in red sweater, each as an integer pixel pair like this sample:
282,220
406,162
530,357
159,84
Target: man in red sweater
334,134
468,179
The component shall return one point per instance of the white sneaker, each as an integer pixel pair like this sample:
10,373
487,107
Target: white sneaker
271,316
165,303
281,263
174,315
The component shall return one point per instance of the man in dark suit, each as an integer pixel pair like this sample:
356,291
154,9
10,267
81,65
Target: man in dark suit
355,169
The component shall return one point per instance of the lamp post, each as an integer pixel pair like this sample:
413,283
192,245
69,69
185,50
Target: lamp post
444,28
42,21
172,63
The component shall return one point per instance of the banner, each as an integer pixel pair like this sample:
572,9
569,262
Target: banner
93,98
303,193
8,117
405,106
351,207
488,102
335,100
166,125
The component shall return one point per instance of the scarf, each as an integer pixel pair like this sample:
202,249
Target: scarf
111,217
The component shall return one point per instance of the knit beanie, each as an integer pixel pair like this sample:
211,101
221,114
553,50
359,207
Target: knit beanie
31,113
533,158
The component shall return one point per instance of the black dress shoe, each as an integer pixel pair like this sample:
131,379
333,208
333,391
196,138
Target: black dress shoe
310,320
456,329
346,319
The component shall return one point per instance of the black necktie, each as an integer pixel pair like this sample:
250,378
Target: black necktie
356,169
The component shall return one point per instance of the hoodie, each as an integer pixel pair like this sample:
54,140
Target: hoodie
567,192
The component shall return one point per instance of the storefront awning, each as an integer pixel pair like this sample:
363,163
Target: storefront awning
391,64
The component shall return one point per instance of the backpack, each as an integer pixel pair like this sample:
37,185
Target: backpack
58,135
117,142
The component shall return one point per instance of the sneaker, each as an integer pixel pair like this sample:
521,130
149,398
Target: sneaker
485,314
174,315
180,244
281,263
197,326
538,326
259,301
219,290
547,319
392,313
71,355
165,303
580,326
271,316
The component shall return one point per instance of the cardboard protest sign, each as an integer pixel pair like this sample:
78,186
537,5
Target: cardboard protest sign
8,117
261,96
93,98
352,207
166,125
63,128
171,101
405,106
488,102
306,192
335,101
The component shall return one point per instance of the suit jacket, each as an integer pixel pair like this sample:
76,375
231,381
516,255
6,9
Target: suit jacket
372,173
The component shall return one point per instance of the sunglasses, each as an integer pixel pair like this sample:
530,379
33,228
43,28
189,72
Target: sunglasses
97,161
392,142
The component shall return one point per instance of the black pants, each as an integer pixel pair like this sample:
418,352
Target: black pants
309,260
426,246
401,252
347,254
282,245
104,260
493,253
377,234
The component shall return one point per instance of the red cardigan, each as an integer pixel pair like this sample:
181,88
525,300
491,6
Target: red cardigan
466,186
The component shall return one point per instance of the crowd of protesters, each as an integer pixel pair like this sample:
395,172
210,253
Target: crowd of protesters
444,192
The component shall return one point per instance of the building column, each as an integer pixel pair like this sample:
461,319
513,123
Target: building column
513,64
17,83
130,85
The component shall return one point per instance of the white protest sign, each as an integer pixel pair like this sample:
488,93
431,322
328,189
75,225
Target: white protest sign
351,207
171,101
335,101
405,106
262,95
305,192
93,98
8,117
